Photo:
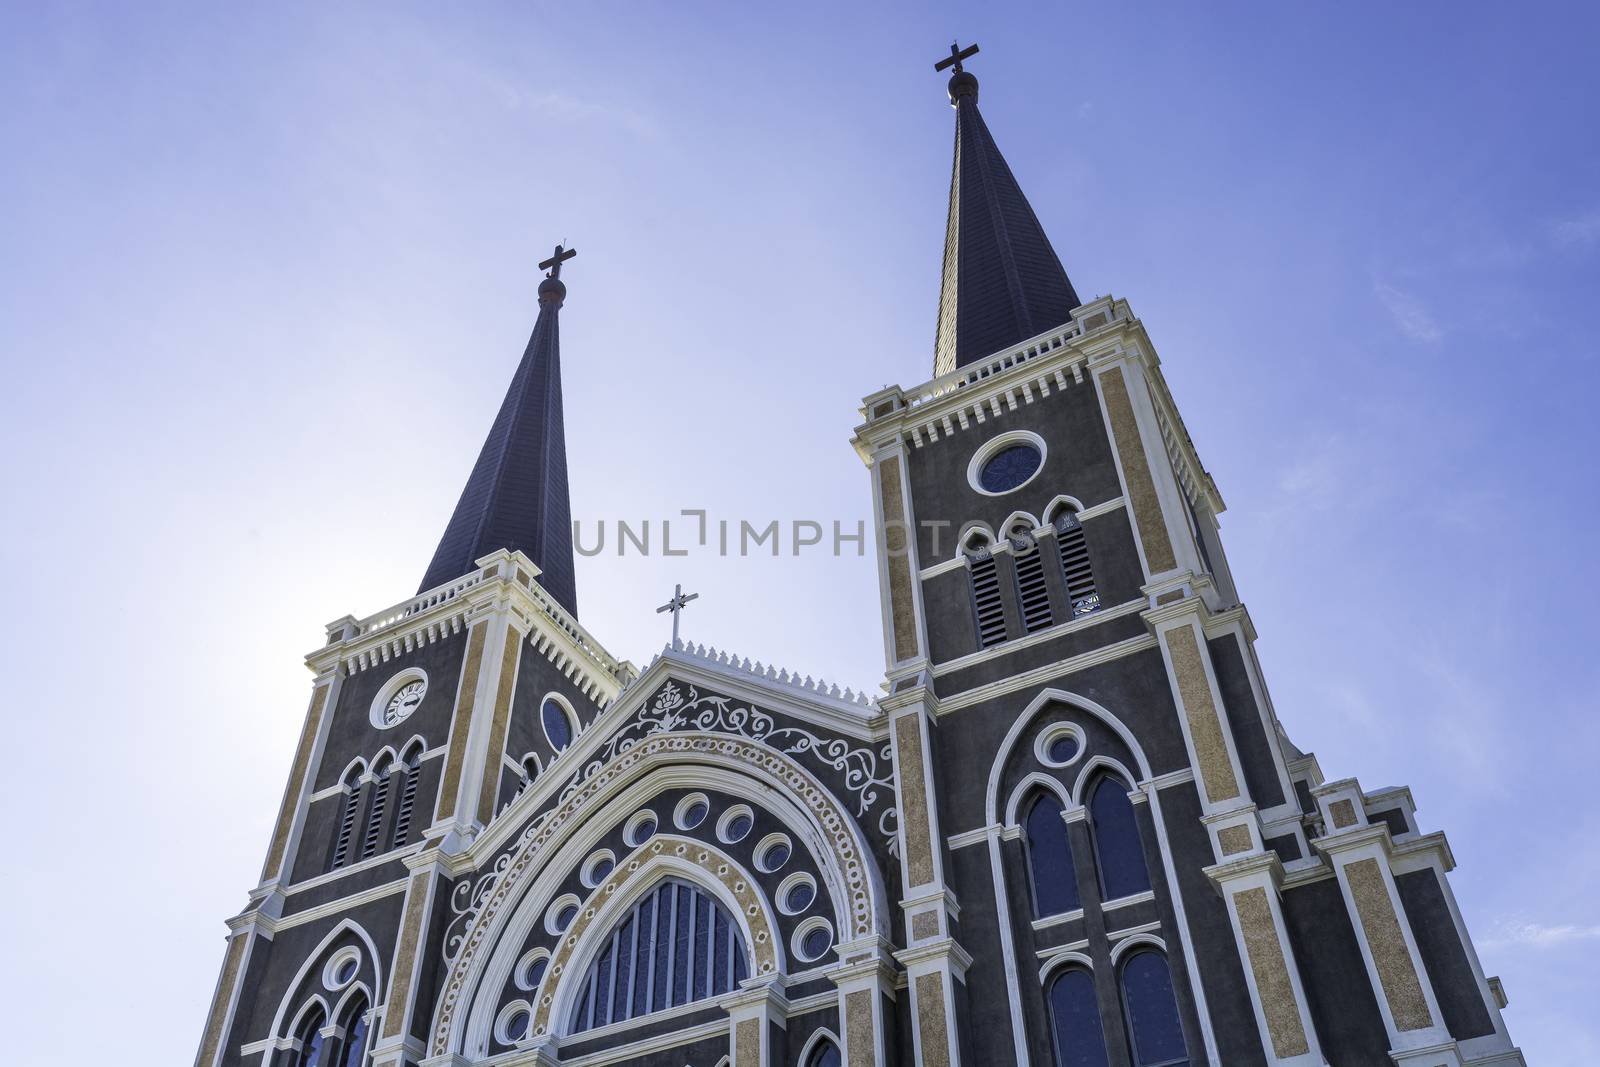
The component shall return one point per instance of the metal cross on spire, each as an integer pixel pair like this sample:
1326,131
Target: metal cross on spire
553,264
957,54
679,601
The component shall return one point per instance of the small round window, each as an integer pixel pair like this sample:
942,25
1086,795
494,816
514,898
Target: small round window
1006,462
1009,468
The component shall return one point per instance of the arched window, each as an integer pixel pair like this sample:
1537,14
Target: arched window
675,947
530,771
1153,1027
347,818
824,1054
311,1041
985,579
1080,1040
557,724
411,765
380,801
1075,567
1119,851
1055,884
1033,596
354,1052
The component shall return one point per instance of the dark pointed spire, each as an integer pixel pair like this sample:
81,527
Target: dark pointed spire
516,497
1001,282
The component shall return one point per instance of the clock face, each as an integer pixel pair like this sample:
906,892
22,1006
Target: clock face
404,702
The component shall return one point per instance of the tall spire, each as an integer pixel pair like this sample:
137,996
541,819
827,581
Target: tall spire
1001,282
516,497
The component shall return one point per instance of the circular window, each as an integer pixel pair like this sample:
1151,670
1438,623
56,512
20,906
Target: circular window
773,853
557,723
341,968
1059,745
399,697
562,911
512,1026
796,894
640,828
813,940
597,866
692,811
736,824
1006,463
530,970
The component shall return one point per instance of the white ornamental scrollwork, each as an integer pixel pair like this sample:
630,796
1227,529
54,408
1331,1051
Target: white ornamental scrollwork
867,775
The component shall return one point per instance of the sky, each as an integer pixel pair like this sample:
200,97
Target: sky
265,273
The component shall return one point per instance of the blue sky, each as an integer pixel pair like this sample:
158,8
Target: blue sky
265,272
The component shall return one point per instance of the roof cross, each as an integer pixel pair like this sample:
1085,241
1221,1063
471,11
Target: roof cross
957,54
553,264
679,601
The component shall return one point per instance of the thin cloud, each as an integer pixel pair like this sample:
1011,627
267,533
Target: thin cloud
1409,314
1538,935
1580,232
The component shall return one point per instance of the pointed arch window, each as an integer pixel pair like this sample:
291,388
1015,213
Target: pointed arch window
1080,1039
1119,850
1055,883
676,946
354,1051
1154,1031
347,818
411,766
557,723
1076,569
824,1054
310,1053
1033,596
380,801
985,578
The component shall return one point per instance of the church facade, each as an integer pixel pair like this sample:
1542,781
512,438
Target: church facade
1069,830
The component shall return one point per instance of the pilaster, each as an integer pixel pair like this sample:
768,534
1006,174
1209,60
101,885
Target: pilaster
308,753
865,980
905,638
932,971
1249,879
757,1018
1360,854
393,1045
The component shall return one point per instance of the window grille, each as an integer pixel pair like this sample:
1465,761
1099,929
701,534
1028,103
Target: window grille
408,800
1033,596
1075,566
986,599
347,823
675,947
380,800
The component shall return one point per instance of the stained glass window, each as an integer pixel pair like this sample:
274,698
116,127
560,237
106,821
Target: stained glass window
1055,885
557,727
1009,468
675,947
1117,845
1153,1025
1075,1019
824,1054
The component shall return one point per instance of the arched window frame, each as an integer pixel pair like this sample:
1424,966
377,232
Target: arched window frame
1058,969
1097,773
1027,556
411,766
354,1032
308,1043
976,546
1027,803
821,1042
354,784
576,998
1072,554
382,784
1122,956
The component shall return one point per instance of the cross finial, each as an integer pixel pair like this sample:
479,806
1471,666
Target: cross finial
679,601
553,264
957,54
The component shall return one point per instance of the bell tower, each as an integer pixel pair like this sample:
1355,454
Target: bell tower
1112,853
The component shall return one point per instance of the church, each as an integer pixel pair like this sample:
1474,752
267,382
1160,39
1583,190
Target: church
1068,831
